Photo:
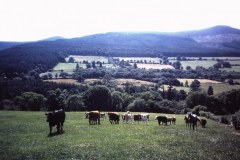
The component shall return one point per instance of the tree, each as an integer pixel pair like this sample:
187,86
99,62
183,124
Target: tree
135,65
230,81
31,101
117,101
75,103
186,83
98,98
71,60
195,85
106,79
93,64
77,66
176,65
196,98
210,90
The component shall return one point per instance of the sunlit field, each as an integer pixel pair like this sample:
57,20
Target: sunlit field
24,135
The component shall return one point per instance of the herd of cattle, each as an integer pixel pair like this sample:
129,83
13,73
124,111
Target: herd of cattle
57,118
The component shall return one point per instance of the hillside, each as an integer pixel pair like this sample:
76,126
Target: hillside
215,41
6,45
224,38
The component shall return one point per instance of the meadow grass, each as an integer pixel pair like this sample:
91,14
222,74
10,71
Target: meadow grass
24,135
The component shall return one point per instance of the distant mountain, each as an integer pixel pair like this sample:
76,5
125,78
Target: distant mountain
53,38
6,45
214,41
224,38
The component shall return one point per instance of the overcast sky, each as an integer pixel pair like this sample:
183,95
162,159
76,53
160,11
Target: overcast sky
25,20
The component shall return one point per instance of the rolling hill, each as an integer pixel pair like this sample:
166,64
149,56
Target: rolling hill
214,41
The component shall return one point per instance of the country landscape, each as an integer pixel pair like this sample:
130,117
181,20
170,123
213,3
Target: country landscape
120,72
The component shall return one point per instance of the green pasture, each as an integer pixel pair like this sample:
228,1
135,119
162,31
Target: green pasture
219,87
24,135
140,59
193,64
88,58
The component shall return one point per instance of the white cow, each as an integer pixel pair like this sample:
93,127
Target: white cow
127,117
145,117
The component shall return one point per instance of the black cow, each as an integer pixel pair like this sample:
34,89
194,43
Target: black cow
162,119
204,122
137,118
114,117
56,118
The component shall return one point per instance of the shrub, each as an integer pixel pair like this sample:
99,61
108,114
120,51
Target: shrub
198,108
225,119
236,120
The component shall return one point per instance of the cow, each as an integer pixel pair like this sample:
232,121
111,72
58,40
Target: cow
86,115
204,122
145,118
162,119
127,117
94,117
193,119
186,119
114,117
56,118
137,118
174,120
171,120
102,115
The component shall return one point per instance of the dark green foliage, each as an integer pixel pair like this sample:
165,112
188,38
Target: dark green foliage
98,98
210,91
117,101
75,103
195,85
196,98
236,120
230,100
198,108
31,101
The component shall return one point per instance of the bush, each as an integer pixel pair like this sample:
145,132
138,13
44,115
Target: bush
225,119
7,105
198,108
204,114
236,120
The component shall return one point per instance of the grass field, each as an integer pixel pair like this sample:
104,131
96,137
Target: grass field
24,136
154,66
219,88
88,58
140,59
195,63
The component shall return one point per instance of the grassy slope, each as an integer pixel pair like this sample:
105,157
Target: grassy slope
23,135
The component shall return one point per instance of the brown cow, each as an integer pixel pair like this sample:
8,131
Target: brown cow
114,117
94,117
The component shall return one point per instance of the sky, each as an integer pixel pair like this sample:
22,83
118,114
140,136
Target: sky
28,20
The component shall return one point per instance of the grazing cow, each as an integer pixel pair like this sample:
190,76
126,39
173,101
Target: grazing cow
193,119
56,118
145,118
94,117
204,122
127,117
174,120
186,120
169,119
162,119
86,115
137,118
114,117
102,115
